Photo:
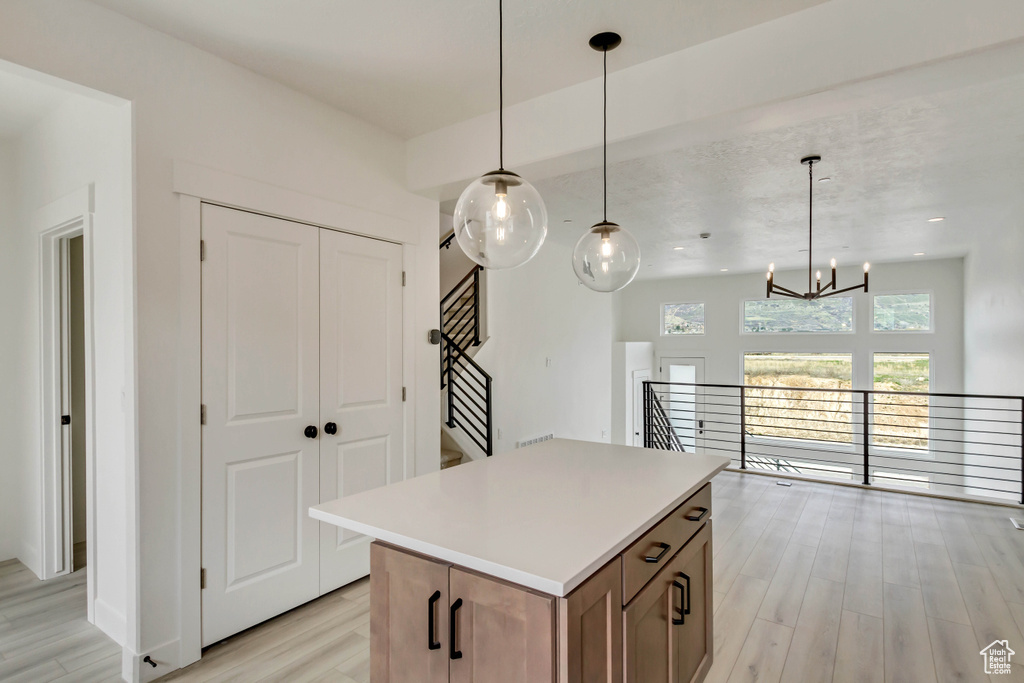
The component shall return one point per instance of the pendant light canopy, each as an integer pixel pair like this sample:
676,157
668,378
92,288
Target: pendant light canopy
500,220
606,257
813,291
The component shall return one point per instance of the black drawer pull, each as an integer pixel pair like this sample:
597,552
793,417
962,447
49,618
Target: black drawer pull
452,652
431,643
665,547
684,600
703,511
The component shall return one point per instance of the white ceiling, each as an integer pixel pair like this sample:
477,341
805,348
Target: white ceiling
24,101
953,154
413,67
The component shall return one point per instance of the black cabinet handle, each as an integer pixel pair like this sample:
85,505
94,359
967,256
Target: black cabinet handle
452,652
310,432
665,547
431,643
703,511
681,619
331,428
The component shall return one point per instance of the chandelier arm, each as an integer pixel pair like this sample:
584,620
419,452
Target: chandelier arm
779,289
792,296
843,291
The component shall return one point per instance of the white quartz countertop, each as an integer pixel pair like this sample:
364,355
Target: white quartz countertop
545,517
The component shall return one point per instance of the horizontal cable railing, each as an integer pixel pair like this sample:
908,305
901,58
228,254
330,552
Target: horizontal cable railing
469,401
960,445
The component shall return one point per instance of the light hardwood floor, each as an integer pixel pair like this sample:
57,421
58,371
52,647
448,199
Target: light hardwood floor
813,582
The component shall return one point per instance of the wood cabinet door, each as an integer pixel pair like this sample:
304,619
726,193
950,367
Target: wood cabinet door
408,617
649,645
693,638
590,629
500,633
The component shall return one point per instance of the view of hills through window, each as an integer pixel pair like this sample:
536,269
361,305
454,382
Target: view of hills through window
832,315
903,313
683,319
900,420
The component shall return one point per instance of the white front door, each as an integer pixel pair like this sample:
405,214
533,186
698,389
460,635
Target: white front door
360,386
261,389
685,405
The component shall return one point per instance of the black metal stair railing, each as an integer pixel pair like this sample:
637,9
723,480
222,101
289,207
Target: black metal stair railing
469,397
460,314
968,446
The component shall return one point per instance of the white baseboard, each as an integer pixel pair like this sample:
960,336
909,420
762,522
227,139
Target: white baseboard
110,621
30,558
167,658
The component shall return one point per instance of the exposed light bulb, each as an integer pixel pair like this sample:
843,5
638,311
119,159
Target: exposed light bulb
606,247
867,267
833,264
771,267
769,275
818,275
501,205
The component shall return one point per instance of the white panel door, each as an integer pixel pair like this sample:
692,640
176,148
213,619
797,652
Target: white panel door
261,390
686,409
360,386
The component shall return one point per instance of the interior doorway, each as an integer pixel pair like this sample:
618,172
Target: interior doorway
686,412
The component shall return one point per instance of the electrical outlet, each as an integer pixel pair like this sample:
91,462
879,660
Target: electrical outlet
547,362
604,433
499,433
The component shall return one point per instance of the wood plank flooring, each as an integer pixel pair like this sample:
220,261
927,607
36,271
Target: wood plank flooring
813,582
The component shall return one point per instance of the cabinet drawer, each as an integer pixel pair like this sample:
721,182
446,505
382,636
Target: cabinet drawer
642,560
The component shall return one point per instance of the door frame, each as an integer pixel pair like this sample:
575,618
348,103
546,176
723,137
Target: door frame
55,224
637,418
195,185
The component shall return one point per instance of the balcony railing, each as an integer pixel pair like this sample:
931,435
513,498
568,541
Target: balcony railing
957,445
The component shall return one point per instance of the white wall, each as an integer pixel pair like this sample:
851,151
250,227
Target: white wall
638,318
10,464
994,309
536,312
188,105
627,358
81,143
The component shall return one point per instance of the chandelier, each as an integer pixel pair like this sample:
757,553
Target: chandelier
814,291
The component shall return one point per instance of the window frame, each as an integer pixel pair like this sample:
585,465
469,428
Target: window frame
663,333
897,292
743,326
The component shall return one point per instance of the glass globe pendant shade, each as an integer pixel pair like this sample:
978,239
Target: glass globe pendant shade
500,220
606,258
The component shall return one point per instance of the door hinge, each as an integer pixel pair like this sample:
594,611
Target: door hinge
403,278
202,250
202,578
403,393
202,414
65,419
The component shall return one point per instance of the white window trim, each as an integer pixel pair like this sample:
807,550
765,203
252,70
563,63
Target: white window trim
663,333
931,311
851,331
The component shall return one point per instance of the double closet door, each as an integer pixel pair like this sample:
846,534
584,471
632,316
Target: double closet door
302,388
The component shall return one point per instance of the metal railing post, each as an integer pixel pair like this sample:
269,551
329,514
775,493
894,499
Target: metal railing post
743,428
647,415
490,420
476,307
451,397
867,439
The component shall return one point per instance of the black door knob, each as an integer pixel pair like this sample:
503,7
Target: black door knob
310,432
330,428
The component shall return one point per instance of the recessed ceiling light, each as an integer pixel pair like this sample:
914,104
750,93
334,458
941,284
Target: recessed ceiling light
725,270
678,248
920,253
824,180
567,220
936,219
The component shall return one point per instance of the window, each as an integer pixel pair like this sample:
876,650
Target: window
899,420
903,312
783,407
832,315
682,319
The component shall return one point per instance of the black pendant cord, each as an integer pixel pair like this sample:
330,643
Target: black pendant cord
810,226
501,87
604,143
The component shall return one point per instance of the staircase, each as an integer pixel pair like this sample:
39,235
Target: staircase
466,387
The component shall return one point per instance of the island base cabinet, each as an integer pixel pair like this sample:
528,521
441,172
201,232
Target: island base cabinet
408,617
667,626
500,633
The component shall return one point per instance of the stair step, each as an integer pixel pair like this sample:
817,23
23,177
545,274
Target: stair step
450,458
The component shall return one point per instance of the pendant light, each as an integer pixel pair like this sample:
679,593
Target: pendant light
813,291
500,220
607,257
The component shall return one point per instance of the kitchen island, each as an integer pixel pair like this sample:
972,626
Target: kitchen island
565,561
